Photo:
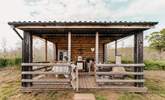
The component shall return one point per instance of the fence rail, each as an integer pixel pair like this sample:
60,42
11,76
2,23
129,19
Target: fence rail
120,65
106,73
45,64
38,78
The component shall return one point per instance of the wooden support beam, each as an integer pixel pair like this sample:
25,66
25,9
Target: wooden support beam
116,53
104,52
138,56
56,52
17,33
27,57
46,50
97,48
85,26
69,46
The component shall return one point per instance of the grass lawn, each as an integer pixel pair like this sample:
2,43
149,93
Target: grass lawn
10,84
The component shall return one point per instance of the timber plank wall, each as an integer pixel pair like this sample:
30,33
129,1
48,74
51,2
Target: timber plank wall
81,46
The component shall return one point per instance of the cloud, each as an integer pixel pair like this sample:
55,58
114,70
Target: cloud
70,9
144,8
96,9
85,10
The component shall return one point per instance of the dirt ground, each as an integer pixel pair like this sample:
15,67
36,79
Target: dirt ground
10,84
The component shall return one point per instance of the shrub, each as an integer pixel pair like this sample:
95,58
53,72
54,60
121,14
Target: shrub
9,62
17,61
3,62
154,65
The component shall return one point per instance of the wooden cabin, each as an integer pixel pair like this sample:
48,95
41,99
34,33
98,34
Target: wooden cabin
80,57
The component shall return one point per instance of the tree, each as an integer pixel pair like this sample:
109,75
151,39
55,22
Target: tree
157,41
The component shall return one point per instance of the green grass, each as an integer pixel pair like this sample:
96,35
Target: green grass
100,97
8,90
155,87
131,96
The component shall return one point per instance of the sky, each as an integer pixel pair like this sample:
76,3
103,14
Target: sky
77,10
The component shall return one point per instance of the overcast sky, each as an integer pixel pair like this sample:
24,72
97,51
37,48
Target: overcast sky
73,10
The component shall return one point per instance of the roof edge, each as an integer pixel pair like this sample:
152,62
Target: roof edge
24,23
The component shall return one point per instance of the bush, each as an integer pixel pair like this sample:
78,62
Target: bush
154,65
9,62
3,62
17,61
149,64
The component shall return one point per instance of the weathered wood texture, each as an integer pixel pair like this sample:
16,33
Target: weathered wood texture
46,50
120,65
97,48
81,45
89,82
47,78
27,57
45,64
69,46
105,74
138,56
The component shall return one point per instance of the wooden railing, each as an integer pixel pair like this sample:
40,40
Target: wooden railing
105,74
40,71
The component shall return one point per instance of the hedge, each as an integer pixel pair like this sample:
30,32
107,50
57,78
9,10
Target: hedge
154,65
9,62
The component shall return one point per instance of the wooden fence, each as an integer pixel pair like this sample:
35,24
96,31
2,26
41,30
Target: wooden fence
39,76
105,76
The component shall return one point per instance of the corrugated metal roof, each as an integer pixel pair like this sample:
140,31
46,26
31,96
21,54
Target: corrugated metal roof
18,23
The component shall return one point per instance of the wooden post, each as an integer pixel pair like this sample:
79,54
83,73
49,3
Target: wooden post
97,48
138,56
54,52
27,57
116,48
69,47
46,50
105,54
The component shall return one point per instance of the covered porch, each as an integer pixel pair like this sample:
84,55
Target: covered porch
87,40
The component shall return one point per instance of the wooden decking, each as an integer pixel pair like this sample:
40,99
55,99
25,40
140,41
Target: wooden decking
89,82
